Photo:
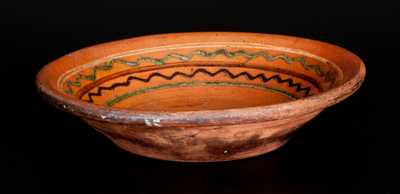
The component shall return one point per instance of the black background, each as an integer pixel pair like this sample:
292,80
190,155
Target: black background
349,148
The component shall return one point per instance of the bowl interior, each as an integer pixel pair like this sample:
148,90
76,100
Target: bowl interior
201,77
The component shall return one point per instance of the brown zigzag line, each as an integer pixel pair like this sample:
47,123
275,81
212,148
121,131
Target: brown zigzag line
261,76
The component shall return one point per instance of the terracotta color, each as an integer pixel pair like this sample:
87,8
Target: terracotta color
201,97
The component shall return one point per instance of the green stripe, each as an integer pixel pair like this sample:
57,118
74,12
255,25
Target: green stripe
126,95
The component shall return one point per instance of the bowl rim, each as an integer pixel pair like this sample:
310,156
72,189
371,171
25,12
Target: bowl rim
263,113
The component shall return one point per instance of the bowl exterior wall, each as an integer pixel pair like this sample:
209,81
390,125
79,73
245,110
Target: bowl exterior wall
202,143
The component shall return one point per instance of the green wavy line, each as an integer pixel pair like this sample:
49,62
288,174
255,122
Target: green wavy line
226,53
328,76
91,77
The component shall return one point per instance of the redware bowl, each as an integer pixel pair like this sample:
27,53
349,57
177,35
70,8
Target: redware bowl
201,97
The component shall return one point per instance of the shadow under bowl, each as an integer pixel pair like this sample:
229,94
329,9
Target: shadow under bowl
201,97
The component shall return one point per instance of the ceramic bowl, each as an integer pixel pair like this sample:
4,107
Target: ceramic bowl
201,97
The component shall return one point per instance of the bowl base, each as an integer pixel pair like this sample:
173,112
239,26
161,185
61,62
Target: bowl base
225,156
